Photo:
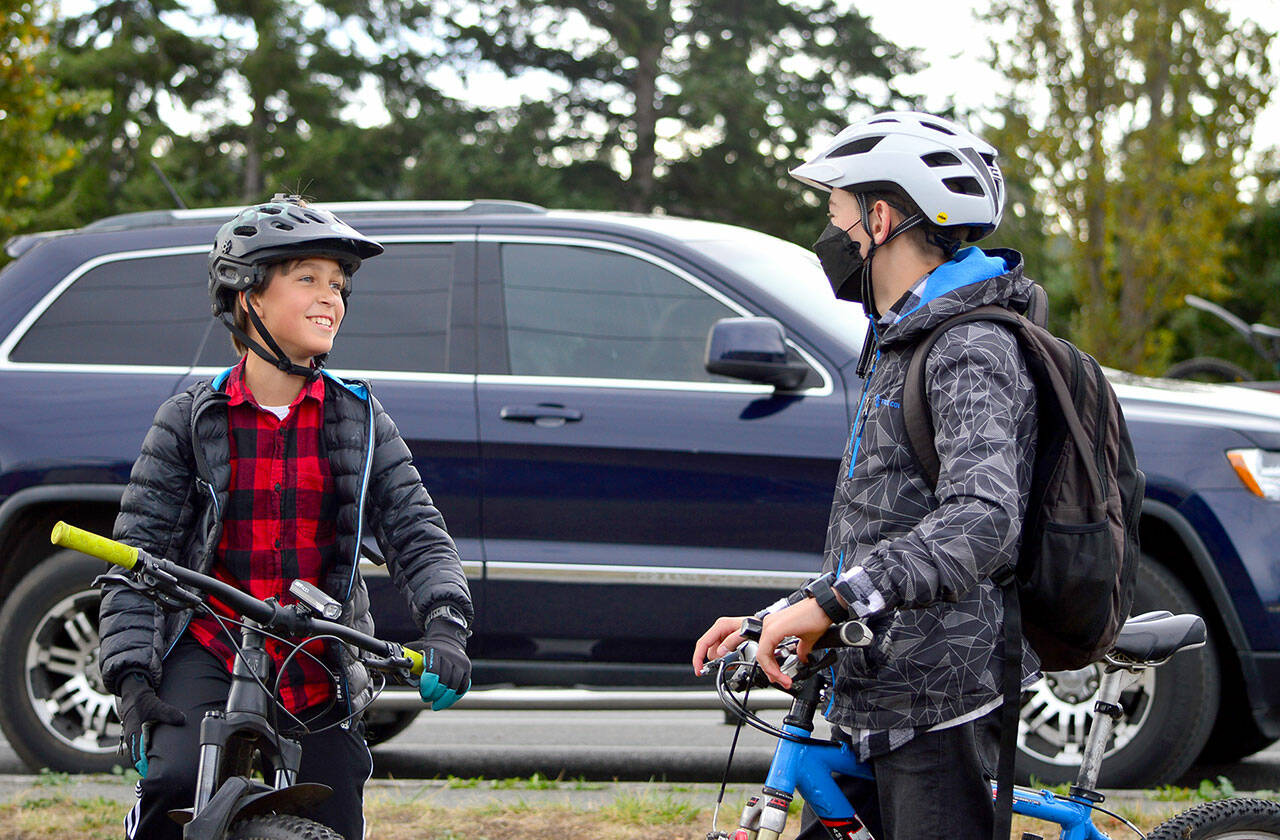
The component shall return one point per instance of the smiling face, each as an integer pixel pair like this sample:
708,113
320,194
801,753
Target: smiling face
302,306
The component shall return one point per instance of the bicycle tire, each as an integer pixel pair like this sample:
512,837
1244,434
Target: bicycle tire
280,827
1230,819
1208,369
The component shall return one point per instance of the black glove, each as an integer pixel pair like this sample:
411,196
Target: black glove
139,708
446,670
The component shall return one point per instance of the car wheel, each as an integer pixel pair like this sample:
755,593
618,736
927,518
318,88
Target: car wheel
1168,713
383,726
55,710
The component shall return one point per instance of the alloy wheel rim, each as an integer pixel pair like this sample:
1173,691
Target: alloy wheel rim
63,680
1057,712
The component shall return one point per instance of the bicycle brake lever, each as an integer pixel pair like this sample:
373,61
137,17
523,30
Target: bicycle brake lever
157,584
813,666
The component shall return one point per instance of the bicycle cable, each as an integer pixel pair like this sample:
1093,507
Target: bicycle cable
279,706
730,700
733,745
1116,816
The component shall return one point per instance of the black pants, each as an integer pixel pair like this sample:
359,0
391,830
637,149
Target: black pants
935,785
196,681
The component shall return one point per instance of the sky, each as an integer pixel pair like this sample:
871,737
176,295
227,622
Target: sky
955,46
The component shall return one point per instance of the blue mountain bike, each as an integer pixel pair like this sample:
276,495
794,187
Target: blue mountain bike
805,765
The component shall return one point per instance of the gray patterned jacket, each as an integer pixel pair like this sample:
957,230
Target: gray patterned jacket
916,563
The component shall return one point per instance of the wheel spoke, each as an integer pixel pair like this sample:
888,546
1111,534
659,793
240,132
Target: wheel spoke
82,634
62,660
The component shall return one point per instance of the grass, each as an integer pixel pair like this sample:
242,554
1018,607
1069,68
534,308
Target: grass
49,811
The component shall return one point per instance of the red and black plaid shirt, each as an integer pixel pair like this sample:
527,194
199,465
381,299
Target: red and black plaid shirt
278,526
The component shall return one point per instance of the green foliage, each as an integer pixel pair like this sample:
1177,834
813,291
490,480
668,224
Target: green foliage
650,809
51,778
32,149
697,108
1253,278
1173,793
1221,788
1147,112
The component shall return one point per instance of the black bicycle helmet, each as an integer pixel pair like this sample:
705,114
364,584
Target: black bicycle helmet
259,236
281,228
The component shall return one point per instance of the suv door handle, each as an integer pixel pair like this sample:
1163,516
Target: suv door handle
543,414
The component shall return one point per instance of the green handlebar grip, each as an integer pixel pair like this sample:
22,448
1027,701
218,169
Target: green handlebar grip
415,660
86,542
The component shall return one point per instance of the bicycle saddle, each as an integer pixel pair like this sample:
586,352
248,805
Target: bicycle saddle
1155,636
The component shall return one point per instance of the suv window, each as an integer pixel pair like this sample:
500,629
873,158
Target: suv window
587,312
148,311
397,318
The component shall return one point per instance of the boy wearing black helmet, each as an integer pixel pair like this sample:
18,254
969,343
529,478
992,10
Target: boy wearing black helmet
274,472
906,191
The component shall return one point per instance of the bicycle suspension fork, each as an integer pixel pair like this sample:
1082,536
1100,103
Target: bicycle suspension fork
229,740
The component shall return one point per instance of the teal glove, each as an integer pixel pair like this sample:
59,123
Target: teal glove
446,670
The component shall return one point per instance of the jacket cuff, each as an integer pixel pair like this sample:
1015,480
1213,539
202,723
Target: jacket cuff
855,588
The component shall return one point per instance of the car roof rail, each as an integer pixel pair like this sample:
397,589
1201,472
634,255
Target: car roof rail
165,218
19,244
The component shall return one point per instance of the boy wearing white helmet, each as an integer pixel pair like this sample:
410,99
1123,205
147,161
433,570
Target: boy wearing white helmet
907,191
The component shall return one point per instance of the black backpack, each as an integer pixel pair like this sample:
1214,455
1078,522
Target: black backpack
1072,586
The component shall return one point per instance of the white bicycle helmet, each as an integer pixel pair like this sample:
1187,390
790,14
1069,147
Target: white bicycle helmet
948,171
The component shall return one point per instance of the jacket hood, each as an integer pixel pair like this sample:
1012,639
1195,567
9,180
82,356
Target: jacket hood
972,278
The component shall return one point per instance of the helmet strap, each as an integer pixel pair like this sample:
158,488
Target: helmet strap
279,360
868,292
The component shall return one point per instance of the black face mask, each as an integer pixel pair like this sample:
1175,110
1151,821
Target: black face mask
842,261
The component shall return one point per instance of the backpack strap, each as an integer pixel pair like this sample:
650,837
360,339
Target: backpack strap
915,398
920,435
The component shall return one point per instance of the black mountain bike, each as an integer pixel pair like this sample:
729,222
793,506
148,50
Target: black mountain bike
230,802
1264,339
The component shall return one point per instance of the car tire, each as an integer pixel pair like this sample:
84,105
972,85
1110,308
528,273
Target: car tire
380,727
1235,736
54,709
1169,712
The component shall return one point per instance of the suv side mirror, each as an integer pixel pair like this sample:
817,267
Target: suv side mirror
754,349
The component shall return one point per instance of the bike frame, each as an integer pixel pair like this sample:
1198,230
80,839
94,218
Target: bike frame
801,765
807,769
230,739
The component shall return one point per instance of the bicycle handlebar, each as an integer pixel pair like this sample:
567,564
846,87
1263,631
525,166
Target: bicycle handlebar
269,615
87,542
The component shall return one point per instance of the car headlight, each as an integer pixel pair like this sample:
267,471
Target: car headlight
1259,469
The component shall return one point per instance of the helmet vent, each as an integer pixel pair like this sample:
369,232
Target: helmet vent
884,120
269,209
987,158
246,230
279,225
963,186
937,127
940,159
858,147
313,217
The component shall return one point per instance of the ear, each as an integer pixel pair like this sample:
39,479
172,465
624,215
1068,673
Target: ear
247,298
881,222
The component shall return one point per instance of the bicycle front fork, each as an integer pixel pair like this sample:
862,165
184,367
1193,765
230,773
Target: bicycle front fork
765,816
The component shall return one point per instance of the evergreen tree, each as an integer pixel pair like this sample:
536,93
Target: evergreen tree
695,106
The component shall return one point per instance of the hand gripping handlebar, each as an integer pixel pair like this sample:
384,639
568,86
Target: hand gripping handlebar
139,562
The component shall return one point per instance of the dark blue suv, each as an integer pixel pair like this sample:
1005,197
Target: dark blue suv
608,493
